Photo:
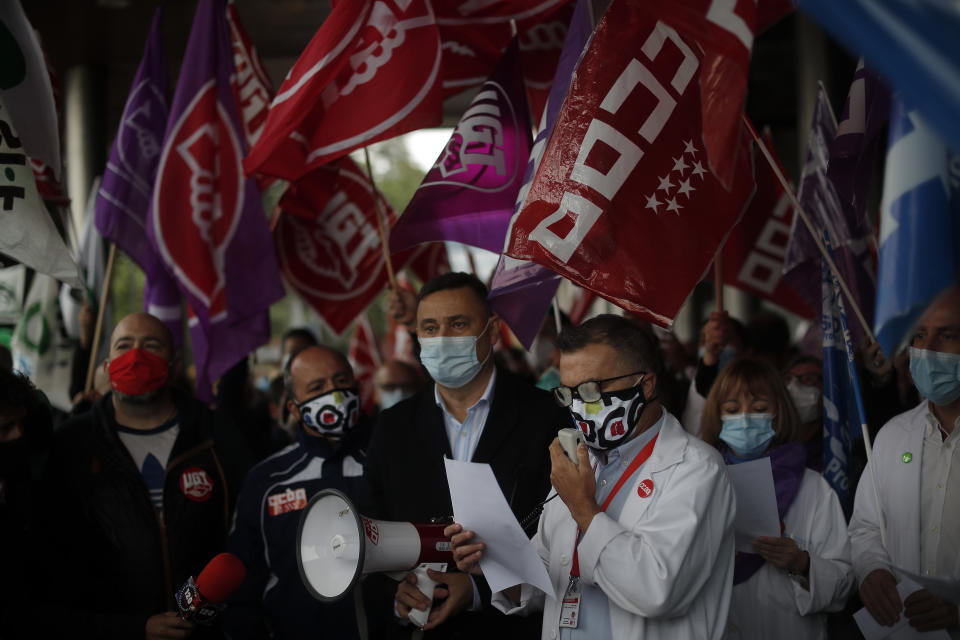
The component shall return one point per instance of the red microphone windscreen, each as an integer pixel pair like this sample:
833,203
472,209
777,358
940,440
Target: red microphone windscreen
221,577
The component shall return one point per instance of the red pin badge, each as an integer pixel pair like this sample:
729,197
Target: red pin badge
645,490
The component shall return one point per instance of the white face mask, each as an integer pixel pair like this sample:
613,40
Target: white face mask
806,399
452,361
332,413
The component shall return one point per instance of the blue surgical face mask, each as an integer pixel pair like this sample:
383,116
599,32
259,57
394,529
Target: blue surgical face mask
936,374
392,397
452,361
748,434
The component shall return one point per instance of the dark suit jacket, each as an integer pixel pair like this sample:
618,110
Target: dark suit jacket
405,479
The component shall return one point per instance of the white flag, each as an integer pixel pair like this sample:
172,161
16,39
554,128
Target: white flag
29,235
41,349
26,89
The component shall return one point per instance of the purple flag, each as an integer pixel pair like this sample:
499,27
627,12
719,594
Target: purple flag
521,290
851,241
853,151
206,221
124,195
469,193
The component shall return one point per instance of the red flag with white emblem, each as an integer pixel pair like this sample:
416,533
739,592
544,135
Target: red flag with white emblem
371,72
335,260
364,357
754,254
540,45
624,202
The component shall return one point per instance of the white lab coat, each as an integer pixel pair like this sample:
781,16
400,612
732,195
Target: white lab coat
771,604
898,485
666,565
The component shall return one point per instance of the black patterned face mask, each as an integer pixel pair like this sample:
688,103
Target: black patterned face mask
609,422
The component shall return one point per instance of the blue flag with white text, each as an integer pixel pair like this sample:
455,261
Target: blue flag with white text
919,225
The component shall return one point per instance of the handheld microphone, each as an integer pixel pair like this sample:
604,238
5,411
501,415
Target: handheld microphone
202,601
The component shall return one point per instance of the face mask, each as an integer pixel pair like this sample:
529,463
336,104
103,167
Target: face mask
806,399
331,413
936,374
452,361
609,422
748,434
137,372
549,379
392,397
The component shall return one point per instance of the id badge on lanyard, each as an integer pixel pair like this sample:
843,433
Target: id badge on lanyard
570,605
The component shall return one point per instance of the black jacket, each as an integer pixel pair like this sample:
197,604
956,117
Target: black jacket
405,479
111,560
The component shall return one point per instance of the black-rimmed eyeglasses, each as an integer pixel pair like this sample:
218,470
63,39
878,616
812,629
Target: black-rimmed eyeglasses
588,391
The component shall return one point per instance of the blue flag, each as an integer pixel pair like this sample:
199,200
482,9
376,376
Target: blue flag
912,43
843,413
919,230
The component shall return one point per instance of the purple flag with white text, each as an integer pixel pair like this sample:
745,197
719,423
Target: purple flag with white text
206,220
469,193
521,290
124,195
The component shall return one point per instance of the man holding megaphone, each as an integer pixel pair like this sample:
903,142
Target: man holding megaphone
331,435
474,411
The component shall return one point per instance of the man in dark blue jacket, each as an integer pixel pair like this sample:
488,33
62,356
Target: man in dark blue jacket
322,396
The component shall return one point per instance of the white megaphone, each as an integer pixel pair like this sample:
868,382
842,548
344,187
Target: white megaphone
336,545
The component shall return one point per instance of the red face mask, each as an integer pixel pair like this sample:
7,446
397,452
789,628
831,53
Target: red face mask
137,372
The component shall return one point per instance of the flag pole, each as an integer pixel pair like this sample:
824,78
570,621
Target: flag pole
813,231
104,295
385,246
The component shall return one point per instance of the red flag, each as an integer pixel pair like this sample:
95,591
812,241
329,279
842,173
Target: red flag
769,12
754,254
623,202
335,261
251,84
308,196
365,359
470,52
371,72
429,261
724,29
540,45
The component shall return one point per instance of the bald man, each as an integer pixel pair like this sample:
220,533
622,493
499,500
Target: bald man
332,434
138,496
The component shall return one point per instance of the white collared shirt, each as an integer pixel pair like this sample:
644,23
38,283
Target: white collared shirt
939,500
464,436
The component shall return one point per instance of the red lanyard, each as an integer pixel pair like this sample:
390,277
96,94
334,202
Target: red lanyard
637,462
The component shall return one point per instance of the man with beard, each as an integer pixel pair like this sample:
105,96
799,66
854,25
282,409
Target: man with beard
331,435
138,494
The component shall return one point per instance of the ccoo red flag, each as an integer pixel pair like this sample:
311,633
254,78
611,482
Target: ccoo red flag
624,202
756,250
335,260
365,359
371,72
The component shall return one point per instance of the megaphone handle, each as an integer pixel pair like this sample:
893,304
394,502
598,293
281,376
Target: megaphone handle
426,585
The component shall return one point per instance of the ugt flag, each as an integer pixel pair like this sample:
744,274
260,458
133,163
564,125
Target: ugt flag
469,193
842,410
521,291
919,225
123,198
371,72
335,260
364,357
624,202
206,220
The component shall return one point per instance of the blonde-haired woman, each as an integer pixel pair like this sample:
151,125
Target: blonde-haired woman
785,588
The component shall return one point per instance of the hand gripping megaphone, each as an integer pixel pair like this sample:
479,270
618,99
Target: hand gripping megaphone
336,545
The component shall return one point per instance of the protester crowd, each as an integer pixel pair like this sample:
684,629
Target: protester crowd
106,512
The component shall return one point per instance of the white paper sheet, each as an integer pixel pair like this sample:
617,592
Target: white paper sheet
946,588
509,558
901,629
756,502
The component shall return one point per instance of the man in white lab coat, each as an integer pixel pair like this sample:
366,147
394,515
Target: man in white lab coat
651,506
916,468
